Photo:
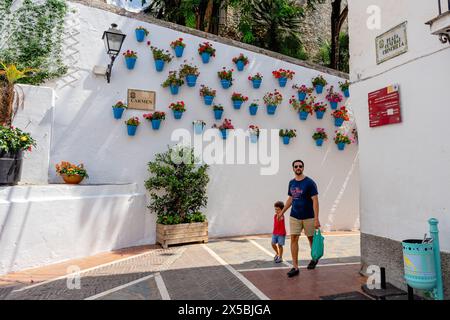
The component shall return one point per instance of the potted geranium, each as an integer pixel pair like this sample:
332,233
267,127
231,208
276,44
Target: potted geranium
253,108
141,33
161,57
319,83
345,88
118,109
130,59
272,100
302,91
304,108
71,173
174,82
320,108
283,75
178,108
218,111
132,125
224,128
177,193
178,45
206,51
254,133
341,140
340,116
334,98
320,136
208,94
226,77
256,80
287,135
190,73
199,125
240,62
155,118
238,99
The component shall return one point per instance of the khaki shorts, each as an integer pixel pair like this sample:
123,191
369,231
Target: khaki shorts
298,225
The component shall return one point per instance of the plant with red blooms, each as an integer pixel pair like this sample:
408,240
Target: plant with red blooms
173,80
70,169
207,91
242,58
226,125
226,74
320,107
282,73
257,76
178,106
344,85
273,98
157,115
206,47
188,69
130,54
301,106
253,130
160,54
120,104
178,43
133,121
342,138
334,96
342,113
145,30
238,97
291,133
302,88
319,81
320,134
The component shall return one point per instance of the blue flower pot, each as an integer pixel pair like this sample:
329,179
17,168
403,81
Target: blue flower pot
319,89
282,82
319,142
253,138
341,146
174,89
156,124
333,105
271,109
347,93
319,115
198,128
205,57
253,110
159,65
237,104
218,114
179,51
130,63
225,83
177,114
286,140
301,96
117,112
191,80
131,130
338,122
257,83
224,133
240,65
208,100
140,35
303,115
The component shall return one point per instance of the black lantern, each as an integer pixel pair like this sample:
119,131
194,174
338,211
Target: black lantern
113,39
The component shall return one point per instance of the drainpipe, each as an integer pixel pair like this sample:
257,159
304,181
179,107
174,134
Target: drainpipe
437,258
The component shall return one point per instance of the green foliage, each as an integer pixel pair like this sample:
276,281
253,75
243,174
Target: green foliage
177,186
13,139
324,55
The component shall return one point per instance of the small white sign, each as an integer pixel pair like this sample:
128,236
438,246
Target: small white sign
392,43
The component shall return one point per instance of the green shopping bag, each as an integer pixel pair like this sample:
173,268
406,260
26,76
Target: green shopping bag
317,246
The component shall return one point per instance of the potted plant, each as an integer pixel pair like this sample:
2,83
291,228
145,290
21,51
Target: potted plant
132,125
254,133
177,189
190,73
238,99
161,57
304,108
256,80
206,51
178,45
320,108
141,33
174,82
199,125
345,88
334,98
319,83
283,75
155,118
272,100
302,91
218,111
240,62
178,108
118,109
226,77
208,94
71,173
341,140
320,136
287,135
224,128
130,59
253,108
340,116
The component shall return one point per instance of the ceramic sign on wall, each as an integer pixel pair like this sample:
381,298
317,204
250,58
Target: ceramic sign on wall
384,106
141,99
392,43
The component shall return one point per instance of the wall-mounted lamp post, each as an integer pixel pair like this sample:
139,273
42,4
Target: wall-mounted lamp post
113,39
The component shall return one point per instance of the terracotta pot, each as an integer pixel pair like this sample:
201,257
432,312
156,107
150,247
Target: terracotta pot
75,179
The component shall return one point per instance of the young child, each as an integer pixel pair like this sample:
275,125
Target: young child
279,232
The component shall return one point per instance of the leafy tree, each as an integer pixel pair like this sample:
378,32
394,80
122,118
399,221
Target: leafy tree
338,17
325,53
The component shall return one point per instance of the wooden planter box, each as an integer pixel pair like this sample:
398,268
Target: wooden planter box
181,233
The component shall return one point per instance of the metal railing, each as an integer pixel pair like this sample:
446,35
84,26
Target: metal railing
442,6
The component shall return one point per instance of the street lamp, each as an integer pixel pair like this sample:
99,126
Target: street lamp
113,39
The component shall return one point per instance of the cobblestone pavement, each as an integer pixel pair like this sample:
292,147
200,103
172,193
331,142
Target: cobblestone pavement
230,269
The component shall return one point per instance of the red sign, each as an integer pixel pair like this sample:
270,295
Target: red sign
384,107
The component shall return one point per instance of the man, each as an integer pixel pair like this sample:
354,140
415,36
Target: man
304,200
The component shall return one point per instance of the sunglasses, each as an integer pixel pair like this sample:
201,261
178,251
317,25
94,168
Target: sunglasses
298,167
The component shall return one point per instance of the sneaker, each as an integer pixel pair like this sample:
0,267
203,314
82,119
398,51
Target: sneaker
279,260
275,258
312,265
294,272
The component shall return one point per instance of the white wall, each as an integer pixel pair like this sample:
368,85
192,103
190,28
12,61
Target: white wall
404,168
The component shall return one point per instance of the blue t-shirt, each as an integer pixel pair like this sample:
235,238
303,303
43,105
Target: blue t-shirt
301,193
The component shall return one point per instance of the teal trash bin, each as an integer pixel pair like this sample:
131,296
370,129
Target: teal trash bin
419,264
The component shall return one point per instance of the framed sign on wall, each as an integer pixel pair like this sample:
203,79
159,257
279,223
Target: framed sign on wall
384,106
392,43
141,99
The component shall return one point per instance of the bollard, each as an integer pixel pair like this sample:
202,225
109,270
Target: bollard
437,258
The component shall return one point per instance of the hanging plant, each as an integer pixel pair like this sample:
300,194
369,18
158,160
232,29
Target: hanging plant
226,77
320,136
256,80
240,62
206,51
208,94
173,81
304,108
283,76
161,57
320,108
319,83
178,46
272,100
141,33
334,98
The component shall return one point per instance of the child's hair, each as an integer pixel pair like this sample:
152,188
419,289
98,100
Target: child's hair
279,204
